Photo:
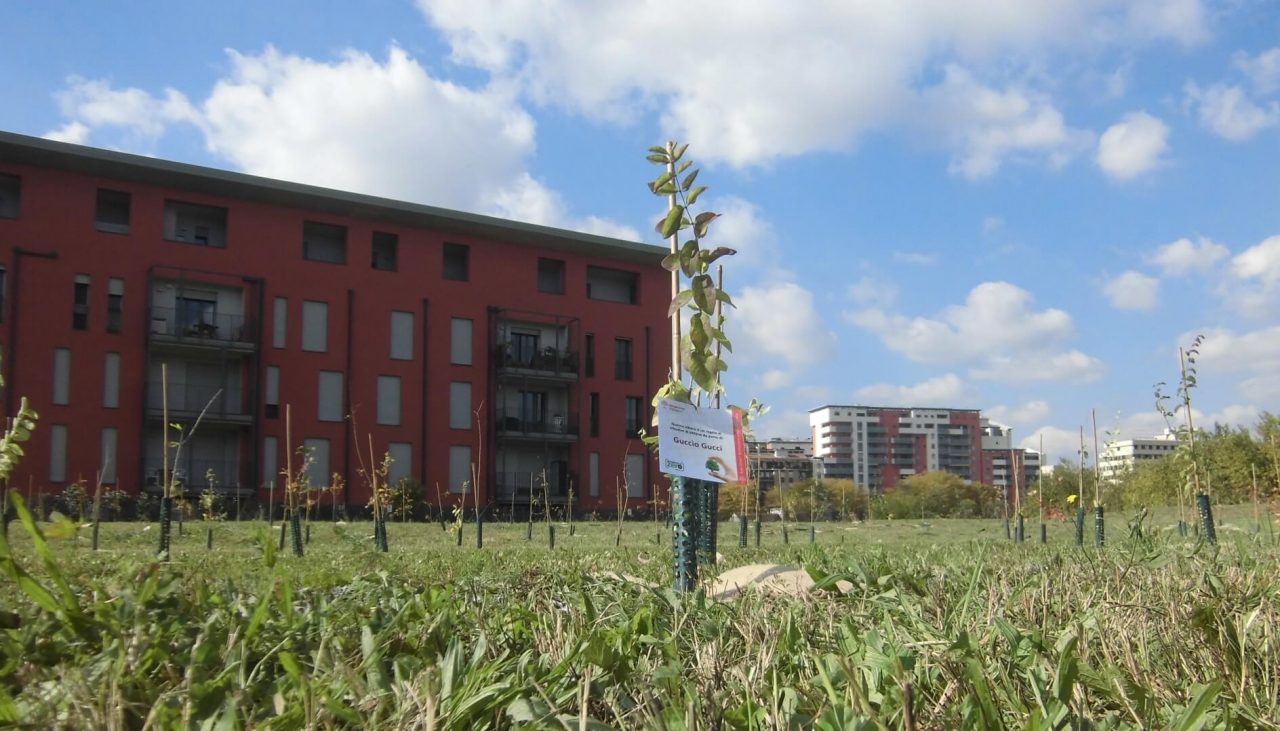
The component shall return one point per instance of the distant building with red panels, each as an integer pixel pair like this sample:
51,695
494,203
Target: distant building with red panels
878,446
448,339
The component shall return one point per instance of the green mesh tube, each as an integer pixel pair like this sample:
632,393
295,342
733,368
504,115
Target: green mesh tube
1206,518
684,498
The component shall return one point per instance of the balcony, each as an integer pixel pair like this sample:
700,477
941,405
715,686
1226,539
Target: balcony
523,488
193,475
545,363
174,327
557,428
187,400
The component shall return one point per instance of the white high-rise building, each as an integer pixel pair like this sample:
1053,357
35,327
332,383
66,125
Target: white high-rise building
1120,456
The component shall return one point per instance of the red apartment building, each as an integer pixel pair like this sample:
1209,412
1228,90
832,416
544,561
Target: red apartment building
447,338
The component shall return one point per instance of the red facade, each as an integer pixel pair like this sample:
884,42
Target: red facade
221,277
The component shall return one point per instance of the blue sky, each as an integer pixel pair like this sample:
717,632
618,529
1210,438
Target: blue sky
1024,209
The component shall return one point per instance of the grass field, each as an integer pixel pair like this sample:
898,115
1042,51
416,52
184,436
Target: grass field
948,625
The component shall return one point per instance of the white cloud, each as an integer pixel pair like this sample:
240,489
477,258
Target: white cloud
988,126
831,74
1058,444
946,390
1068,367
76,133
1132,146
790,424
1019,416
1183,256
1255,355
529,200
1254,284
870,290
780,322
1229,113
775,379
743,228
93,103
1260,262
1263,70
1132,291
992,224
915,258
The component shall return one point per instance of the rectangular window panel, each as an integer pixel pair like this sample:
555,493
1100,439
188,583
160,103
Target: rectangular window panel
385,250
61,376
115,305
2,293
324,242
459,405
279,322
612,285
459,468
10,195
270,461
111,381
402,462
329,404
457,262
635,475
591,355
195,224
402,336
460,341
389,400
634,416
551,276
108,465
315,326
271,397
318,474
593,474
57,453
112,213
622,359
80,303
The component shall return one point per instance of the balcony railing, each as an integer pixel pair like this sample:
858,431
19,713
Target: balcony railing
517,485
193,474
175,323
518,424
186,400
548,361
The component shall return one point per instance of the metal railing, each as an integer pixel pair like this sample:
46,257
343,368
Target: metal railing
191,398
193,475
517,484
555,425
546,360
171,322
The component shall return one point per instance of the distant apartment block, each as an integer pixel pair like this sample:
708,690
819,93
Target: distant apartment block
878,446
1121,456
1005,466
780,462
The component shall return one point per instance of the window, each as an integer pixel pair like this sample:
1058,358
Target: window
325,242
635,475
593,474
10,195
402,336
315,326
533,406
389,400
279,322
622,359
2,283
329,396
524,348
634,416
459,467
58,453
108,465
612,285
318,470
456,261
80,303
197,314
111,381
401,462
551,276
270,461
591,355
460,341
384,251
115,305
459,405
191,223
112,214
594,414
61,376
272,396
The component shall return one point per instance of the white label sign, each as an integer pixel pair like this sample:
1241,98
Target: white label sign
705,444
